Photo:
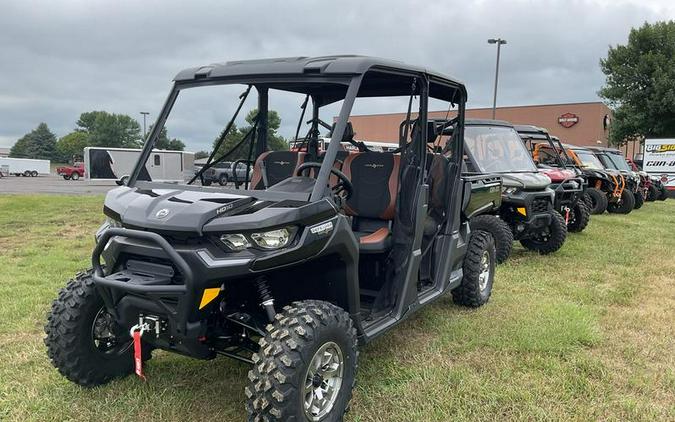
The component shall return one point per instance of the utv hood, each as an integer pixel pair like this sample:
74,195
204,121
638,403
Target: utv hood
189,211
557,175
526,181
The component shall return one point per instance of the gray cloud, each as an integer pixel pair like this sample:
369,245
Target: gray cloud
62,58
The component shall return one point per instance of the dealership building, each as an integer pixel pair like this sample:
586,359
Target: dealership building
575,123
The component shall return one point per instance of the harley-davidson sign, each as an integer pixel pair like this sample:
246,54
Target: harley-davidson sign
568,120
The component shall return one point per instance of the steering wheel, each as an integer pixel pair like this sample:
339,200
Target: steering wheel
343,186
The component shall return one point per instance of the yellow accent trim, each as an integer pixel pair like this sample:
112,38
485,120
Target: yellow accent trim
209,295
521,210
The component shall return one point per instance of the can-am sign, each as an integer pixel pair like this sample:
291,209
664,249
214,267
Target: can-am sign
568,120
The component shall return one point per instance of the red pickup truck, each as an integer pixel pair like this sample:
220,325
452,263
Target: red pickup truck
73,172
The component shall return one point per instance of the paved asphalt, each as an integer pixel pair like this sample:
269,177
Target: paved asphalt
52,184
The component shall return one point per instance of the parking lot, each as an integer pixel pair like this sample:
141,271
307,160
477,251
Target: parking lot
51,184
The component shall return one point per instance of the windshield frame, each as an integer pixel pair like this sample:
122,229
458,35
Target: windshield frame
580,153
621,164
478,165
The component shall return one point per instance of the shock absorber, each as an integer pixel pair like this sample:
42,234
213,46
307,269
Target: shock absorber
267,301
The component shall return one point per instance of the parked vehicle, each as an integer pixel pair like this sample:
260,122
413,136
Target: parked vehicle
73,172
290,274
659,163
26,167
116,164
606,187
613,159
222,173
494,147
566,179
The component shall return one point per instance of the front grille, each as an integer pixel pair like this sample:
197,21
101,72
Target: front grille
539,205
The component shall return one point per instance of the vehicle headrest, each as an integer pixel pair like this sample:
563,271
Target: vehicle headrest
431,131
348,136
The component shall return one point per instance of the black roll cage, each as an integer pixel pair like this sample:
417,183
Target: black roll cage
314,86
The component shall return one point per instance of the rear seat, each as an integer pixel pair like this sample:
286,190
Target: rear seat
373,202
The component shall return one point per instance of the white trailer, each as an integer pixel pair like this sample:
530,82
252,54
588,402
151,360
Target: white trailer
111,164
659,160
24,166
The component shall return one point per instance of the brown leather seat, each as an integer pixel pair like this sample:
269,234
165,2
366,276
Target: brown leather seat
373,202
274,166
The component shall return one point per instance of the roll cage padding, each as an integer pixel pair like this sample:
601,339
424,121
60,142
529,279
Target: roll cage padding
272,167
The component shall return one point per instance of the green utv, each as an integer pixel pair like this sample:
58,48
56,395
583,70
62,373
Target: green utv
526,212
320,253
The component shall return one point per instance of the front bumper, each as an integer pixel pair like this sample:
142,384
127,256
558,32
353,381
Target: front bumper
538,207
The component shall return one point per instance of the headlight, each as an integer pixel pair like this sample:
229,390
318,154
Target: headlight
509,190
235,241
269,240
107,224
273,239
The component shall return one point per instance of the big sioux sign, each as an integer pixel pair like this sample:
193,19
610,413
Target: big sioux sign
568,120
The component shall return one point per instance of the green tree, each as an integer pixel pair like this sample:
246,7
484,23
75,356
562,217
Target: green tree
275,142
640,85
71,145
163,142
201,154
110,130
40,143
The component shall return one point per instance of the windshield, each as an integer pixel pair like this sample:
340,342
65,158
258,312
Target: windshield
589,160
618,161
497,149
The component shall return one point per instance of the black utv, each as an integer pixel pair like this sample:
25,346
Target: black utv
314,257
527,212
613,159
566,179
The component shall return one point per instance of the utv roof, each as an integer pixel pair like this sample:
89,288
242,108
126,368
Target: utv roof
486,122
311,67
605,149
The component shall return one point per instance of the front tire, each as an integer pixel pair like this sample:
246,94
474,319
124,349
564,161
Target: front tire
580,215
624,205
551,241
83,342
500,231
479,271
596,200
75,176
652,193
306,366
222,180
639,200
664,193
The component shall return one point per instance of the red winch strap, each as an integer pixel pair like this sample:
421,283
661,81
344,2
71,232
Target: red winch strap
138,355
567,215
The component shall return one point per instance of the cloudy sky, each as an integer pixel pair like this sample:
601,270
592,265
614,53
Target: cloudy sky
59,59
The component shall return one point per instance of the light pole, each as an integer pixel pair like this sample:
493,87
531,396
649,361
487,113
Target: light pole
145,114
499,43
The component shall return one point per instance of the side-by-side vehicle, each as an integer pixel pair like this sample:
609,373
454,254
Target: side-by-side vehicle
310,259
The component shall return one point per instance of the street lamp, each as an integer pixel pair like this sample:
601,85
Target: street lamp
145,114
499,43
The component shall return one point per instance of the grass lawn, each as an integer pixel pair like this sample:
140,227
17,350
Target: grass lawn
585,334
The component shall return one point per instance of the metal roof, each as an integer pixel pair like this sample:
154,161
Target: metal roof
486,122
326,65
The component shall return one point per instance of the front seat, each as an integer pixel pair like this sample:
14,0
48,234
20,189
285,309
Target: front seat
272,167
374,176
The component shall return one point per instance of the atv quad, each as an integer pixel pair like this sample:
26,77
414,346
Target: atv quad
566,180
293,272
613,159
493,147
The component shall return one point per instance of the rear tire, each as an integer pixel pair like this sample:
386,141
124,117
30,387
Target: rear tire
71,336
553,241
283,377
624,205
33,173
580,215
639,200
479,271
500,231
206,183
222,180
664,193
596,200
652,193
26,173
66,177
